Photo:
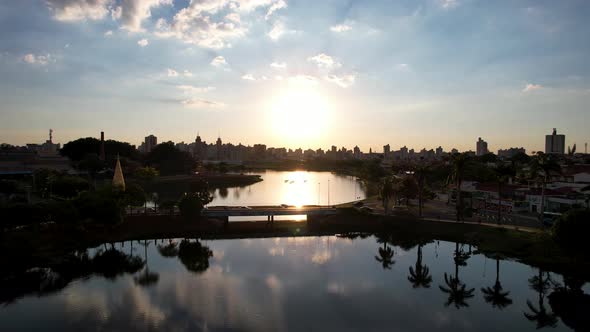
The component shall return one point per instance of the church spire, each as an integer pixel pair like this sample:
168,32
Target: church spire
118,179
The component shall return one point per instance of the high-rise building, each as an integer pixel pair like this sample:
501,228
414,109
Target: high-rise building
555,143
386,149
150,142
481,147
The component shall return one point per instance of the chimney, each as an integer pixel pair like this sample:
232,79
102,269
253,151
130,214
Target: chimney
102,155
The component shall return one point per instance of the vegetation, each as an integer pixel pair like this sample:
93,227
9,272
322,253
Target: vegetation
572,229
192,203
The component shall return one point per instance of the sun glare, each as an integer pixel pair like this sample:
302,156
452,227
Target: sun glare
299,115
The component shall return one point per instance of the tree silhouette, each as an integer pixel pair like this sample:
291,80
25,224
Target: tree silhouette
386,253
168,250
459,163
147,278
542,167
541,283
496,295
420,274
571,304
194,256
457,291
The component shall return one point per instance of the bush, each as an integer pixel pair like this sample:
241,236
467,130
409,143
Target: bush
571,230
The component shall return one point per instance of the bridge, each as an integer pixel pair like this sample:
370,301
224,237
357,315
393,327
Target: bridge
269,211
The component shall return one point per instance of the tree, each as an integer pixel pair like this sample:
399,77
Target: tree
496,295
503,173
146,173
78,149
421,173
540,315
386,254
420,274
542,167
168,205
194,256
191,204
457,291
134,195
147,278
458,165
386,192
68,186
169,160
572,229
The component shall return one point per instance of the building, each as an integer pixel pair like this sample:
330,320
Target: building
509,153
481,147
47,149
386,149
555,143
150,142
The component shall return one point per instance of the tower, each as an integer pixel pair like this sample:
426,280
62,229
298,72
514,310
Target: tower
102,155
118,179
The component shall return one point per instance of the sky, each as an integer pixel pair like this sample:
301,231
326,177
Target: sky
420,73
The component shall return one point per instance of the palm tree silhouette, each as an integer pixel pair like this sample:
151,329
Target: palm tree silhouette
147,278
543,318
542,167
459,163
496,295
385,256
420,274
194,256
168,250
457,291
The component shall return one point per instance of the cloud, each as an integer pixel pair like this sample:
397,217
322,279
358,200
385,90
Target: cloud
532,87
303,79
324,61
194,89
343,81
248,77
201,103
133,12
280,4
187,73
41,60
218,61
77,10
278,30
143,42
448,3
403,67
108,33
278,65
172,73
340,28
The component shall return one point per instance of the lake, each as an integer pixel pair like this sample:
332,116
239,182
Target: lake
355,282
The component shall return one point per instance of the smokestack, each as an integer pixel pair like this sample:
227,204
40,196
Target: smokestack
102,156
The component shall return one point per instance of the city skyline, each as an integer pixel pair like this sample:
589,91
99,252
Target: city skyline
430,73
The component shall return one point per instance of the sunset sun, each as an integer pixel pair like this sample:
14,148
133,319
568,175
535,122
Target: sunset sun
299,114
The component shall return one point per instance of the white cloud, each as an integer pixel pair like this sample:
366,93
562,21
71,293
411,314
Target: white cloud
324,61
280,4
143,42
133,12
201,103
77,10
532,87
248,77
218,61
303,79
448,3
278,29
343,81
172,73
278,65
189,89
234,17
187,73
108,33
41,60
403,67
340,28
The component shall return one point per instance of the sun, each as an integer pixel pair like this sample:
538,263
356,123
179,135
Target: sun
299,114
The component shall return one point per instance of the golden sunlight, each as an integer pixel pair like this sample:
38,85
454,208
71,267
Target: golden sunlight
300,114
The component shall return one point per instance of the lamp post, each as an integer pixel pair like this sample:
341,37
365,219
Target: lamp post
319,193
328,192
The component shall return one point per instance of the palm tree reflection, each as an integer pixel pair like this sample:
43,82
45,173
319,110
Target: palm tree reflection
541,283
147,278
194,256
386,253
496,295
457,291
420,274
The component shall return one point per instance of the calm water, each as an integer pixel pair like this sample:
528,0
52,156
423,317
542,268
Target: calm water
293,188
296,284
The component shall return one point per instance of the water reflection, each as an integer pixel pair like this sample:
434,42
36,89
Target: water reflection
354,281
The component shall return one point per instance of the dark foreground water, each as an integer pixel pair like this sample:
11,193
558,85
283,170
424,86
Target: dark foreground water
289,284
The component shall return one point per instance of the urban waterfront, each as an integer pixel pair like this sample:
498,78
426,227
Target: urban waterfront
332,283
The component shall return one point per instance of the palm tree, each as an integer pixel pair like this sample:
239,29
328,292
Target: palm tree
542,167
541,283
168,250
420,173
503,173
194,256
495,295
386,192
386,253
147,278
457,290
420,274
458,164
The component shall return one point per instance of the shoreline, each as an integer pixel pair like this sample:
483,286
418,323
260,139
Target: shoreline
31,248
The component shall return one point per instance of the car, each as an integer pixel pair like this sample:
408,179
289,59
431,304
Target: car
245,207
358,204
284,205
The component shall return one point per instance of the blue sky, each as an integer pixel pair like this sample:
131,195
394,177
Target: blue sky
420,73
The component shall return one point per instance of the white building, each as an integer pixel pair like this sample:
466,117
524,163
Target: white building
555,143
